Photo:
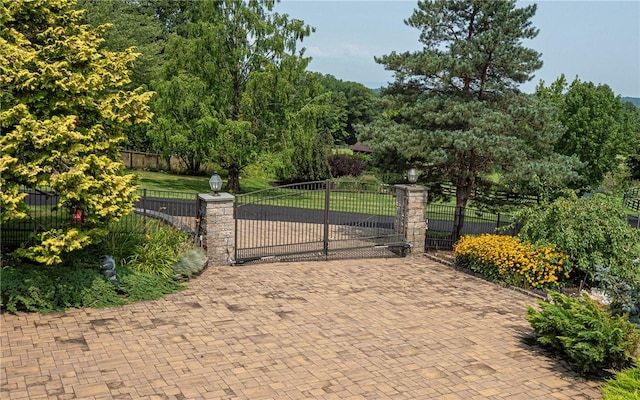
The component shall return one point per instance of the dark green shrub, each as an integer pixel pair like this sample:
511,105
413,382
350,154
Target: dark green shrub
592,338
591,231
37,288
487,269
624,386
633,162
26,289
346,165
135,286
78,282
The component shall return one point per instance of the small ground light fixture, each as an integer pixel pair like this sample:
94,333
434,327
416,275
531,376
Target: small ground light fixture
412,175
216,183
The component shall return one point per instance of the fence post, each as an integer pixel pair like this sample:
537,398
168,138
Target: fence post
410,213
144,208
219,228
327,198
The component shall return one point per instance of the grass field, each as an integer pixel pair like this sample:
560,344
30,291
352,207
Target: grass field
190,184
350,201
369,199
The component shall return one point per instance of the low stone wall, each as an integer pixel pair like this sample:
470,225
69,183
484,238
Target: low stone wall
186,224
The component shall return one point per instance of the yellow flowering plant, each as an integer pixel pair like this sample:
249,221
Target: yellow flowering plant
510,260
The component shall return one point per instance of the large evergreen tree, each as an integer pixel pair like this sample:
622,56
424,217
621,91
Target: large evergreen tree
454,109
63,114
230,72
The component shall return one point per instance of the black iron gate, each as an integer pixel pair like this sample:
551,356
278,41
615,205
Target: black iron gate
442,220
318,221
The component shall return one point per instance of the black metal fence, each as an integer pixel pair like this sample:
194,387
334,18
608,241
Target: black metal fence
632,199
177,208
44,213
441,224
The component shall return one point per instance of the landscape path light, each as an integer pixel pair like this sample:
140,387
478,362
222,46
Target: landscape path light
216,183
412,175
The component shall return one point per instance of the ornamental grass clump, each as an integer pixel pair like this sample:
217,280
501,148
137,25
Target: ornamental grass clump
510,260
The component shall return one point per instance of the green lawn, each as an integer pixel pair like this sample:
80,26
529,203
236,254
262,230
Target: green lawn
340,201
347,201
190,184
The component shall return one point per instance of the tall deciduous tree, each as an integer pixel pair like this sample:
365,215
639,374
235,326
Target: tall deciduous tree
356,101
631,118
63,115
312,118
454,109
226,84
599,129
133,23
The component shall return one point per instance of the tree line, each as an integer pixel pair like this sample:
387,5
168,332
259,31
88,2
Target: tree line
231,82
226,81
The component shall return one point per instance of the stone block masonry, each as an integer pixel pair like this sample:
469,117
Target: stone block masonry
410,209
219,227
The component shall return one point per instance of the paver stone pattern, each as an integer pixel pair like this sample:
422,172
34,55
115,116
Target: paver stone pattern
405,328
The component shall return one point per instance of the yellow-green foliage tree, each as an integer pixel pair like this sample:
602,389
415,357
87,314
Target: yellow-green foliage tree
63,114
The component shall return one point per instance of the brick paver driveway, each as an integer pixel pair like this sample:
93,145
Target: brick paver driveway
364,329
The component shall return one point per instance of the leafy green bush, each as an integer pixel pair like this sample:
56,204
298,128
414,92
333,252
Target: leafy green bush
135,285
44,289
592,338
633,162
625,385
38,288
592,231
145,271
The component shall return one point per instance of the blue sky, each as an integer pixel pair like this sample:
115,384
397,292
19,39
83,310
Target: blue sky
598,41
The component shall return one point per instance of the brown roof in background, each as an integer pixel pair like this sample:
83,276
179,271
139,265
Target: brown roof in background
360,148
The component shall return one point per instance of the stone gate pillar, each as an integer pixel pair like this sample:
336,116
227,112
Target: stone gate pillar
410,215
218,227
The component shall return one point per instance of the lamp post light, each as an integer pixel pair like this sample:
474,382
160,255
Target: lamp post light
412,175
215,182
